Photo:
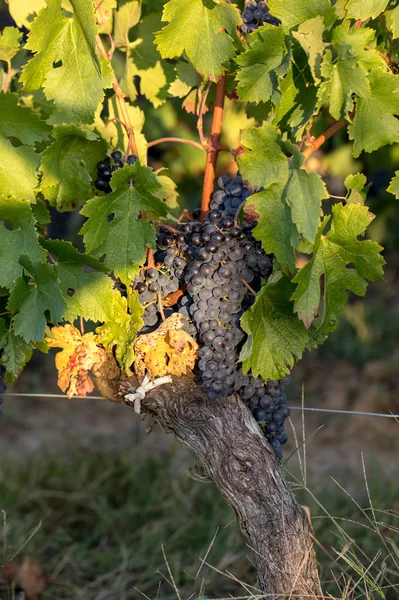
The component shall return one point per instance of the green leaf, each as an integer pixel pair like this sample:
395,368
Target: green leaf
374,124
10,41
87,292
256,80
333,253
360,9
203,30
126,17
262,162
392,17
114,228
22,161
357,188
18,212
144,61
186,80
20,122
275,228
37,301
24,11
393,187
41,212
294,12
115,134
310,37
16,353
119,332
76,85
343,78
276,338
304,194
15,243
362,42
69,165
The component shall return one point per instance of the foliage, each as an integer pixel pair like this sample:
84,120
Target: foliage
70,94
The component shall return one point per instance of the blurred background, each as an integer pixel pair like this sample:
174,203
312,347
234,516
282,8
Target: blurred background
96,503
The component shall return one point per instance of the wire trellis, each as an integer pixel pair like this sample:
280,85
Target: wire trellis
302,408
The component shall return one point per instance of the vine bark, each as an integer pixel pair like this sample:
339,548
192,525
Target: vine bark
231,450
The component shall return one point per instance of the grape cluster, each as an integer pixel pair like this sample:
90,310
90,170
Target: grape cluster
216,282
231,196
106,167
208,272
3,386
267,402
256,14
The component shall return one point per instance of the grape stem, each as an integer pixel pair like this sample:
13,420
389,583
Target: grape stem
319,141
213,146
150,258
160,307
202,104
120,97
175,139
238,212
185,214
167,227
248,287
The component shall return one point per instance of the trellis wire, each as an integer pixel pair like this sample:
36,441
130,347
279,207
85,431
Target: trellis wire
305,408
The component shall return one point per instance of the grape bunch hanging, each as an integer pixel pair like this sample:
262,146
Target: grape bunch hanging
209,272
256,14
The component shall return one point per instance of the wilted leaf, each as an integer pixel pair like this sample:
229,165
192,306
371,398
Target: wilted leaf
167,351
79,354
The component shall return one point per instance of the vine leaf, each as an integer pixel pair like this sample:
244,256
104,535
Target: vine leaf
79,354
256,77
87,290
310,36
357,188
20,122
262,161
23,11
276,338
186,80
10,40
204,31
343,77
16,353
333,253
167,351
144,61
68,166
65,64
275,228
119,331
392,17
304,193
374,124
22,160
294,12
126,17
113,227
15,243
34,302
393,187
360,9
115,134
17,212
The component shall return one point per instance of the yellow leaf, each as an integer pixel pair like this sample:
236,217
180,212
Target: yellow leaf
79,354
167,351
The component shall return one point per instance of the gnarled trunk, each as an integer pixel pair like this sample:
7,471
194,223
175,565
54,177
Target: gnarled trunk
230,449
